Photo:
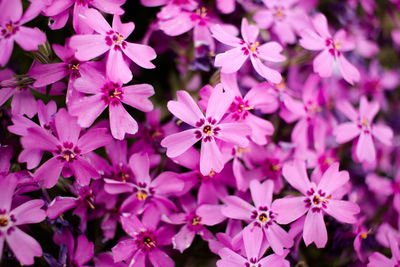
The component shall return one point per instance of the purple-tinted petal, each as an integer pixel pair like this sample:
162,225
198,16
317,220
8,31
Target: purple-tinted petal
109,6
231,60
88,46
210,214
346,131
87,109
167,183
160,259
224,37
323,63
131,224
124,250
84,250
231,257
96,21
266,72
24,247
60,205
183,239
249,32
5,93
315,229
278,239
29,212
348,70
332,179
93,139
23,102
29,39
83,171
365,150
7,184
347,109
49,172
219,102
211,158
383,133
137,96
117,69
45,74
67,127
262,193
6,48
140,167
11,11
271,51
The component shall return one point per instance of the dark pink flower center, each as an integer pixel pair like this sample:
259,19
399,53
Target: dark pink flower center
263,217
72,67
8,30
333,46
316,200
116,40
194,222
206,129
364,124
240,108
279,12
272,168
112,93
68,152
146,240
252,262
143,192
200,16
6,222
250,48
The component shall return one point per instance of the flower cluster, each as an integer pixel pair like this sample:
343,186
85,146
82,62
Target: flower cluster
238,133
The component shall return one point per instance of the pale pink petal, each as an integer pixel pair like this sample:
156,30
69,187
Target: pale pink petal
249,32
178,143
88,46
177,25
8,186
278,239
271,51
183,239
121,122
346,131
332,179
260,129
323,63
233,258
383,133
285,32
219,102
347,109
226,6
252,239
237,208
343,211
167,183
311,40
125,29
289,209
185,108
349,72
11,11
45,74
24,247
210,214
87,109
160,259
137,96
274,260
368,110
365,150
140,54
266,72
117,69
321,25
29,212
112,7
262,193
231,60
221,35
29,38
296,174
211,158
379,185
91,83
263,18
315,229
96,21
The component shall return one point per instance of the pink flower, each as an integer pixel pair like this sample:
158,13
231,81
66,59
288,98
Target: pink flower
317,200
378,260
111,40
284,17
260,216
109,92
207,129
68,150
24,247
361,126
232,60
332,49
11,29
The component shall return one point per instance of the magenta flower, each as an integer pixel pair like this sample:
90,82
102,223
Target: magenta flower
111,40
145,242
207,129
254,250
11,29
284,17
232,60
317,200
59,10
68,150
361,126
259,216
109,92
332,49
24,247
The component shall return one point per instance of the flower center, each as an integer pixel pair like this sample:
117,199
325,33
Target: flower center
316,200
240,108
115,39
196,220
3,220
334,46
146,240
206,129
142,192
8,30
364,125
68,152
263,217
112,93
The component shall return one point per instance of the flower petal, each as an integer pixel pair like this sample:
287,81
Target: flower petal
178,143
315,229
